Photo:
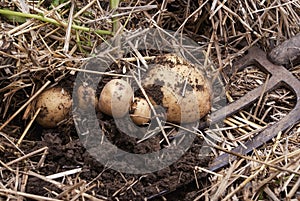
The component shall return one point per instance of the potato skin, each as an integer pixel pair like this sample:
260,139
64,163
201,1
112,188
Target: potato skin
186,92
140,111
116,98
86,97
55,104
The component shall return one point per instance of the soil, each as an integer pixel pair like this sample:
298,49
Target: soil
65,154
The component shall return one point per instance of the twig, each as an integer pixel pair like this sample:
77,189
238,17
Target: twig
24,157
69,27
63,174
27,195
95,72
27,127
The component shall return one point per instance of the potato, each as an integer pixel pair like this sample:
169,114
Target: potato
140,111
86,97
55,104
180,88
116,98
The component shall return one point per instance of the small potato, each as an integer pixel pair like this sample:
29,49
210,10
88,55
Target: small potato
140,111
55,104
86,97
116,98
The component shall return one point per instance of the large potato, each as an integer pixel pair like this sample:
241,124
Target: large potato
180,88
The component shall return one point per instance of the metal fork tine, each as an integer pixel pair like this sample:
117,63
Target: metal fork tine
279,76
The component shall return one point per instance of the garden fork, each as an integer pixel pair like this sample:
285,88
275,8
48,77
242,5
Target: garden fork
279,76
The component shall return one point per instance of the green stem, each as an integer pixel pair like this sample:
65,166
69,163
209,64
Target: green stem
114,5
52,21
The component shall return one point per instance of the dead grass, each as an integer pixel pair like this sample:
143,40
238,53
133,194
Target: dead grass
37,53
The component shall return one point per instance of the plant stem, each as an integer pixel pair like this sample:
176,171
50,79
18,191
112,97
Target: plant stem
52,21
114,5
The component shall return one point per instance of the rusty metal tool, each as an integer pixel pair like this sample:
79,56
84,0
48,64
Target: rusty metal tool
280,76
